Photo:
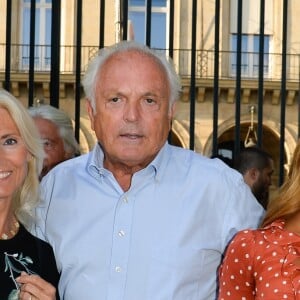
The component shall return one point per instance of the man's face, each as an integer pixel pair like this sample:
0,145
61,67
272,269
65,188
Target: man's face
260,187
132,117
53,144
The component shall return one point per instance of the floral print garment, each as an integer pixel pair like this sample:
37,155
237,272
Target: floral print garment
14,265
24,252
261,264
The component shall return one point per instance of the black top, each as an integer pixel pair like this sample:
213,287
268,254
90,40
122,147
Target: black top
24,252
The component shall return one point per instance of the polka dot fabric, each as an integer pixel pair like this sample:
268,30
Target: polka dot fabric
261,264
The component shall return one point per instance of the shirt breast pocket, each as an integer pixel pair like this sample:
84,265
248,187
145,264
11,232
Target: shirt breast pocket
175,273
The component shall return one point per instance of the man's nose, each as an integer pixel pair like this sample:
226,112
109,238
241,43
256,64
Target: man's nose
131,111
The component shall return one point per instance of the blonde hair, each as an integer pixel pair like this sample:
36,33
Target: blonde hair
287,202
27,196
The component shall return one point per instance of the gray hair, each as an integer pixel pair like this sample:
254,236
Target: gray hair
89,81
63,123
27,196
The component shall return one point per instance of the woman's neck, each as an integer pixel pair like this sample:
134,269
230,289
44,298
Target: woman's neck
9,224
293,223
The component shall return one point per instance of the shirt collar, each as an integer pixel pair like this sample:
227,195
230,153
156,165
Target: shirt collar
160,161
279,235
95,162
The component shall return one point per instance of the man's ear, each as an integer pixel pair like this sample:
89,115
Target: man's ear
251,176
171,115
253,173
90,112
67,155
172,111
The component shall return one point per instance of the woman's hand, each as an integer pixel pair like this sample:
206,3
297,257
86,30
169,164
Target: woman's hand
33,287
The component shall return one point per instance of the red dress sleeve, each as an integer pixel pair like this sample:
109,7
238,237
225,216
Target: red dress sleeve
236,280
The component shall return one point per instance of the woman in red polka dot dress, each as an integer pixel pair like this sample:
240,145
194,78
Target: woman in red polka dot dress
265,263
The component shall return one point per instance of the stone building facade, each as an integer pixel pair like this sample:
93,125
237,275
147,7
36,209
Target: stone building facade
182,39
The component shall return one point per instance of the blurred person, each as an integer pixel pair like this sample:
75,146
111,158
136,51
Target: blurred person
56,131
257,167
26,262
145,220
265,263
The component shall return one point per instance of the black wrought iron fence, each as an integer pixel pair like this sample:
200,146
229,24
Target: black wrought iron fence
192,63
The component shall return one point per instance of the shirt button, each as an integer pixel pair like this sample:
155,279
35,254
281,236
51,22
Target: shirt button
125,199
118,269
121,233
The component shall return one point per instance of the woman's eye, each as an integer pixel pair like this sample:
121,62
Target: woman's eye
10,141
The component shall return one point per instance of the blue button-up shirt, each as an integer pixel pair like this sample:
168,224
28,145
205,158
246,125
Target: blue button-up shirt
162,239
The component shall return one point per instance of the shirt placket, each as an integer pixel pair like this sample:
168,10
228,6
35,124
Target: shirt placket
120,246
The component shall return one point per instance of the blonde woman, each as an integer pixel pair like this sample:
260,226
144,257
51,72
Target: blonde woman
27,264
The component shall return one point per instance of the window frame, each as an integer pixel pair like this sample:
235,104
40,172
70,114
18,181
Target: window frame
42,51
249,55
154,10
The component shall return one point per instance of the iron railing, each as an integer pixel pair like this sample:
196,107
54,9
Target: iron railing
204,62
192,63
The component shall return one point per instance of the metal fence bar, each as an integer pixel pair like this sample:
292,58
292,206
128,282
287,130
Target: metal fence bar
171,45
78,69
216,80
261,74
171,29
283,91
55,53
124,18
8,45
31,53
102,24
148,22
238,80
193,75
